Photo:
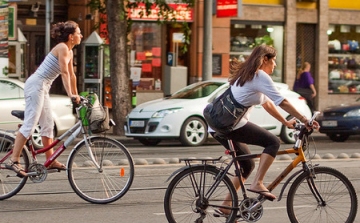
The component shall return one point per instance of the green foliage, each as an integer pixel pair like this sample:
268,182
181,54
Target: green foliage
164,12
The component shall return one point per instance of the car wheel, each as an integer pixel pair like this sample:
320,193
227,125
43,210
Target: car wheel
287,135
36,138
193,132
149,142
338,137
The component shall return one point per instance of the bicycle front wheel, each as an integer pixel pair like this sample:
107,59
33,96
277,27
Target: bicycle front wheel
339,200
196,193
101,172
10,183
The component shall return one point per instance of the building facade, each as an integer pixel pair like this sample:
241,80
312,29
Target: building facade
323,32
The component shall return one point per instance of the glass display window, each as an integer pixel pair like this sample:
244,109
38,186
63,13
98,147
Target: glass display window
145,55
344,59
244,37
91,62
16,56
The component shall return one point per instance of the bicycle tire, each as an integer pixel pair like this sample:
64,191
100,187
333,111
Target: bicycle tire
10,184
113,179
336,190
182,205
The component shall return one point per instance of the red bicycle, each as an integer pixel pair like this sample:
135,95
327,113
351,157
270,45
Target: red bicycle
99,169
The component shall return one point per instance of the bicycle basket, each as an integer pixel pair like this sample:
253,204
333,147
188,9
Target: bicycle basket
98,118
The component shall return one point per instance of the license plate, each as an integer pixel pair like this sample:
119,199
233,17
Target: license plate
137,123
329,123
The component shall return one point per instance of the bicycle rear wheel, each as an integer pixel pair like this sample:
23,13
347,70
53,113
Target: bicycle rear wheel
193,196
340,200
10,184
105,184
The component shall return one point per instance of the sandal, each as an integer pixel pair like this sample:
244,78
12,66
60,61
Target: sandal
57,166
16,167
218,213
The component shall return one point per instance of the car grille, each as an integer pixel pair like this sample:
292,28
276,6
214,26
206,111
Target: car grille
334,114
148,127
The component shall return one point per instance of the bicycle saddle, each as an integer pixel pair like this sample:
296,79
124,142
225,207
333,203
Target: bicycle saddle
18,113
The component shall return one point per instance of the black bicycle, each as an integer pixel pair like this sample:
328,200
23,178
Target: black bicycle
317,194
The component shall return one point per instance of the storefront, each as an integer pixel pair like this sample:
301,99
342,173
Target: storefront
151,46
344,59
324,33
245,36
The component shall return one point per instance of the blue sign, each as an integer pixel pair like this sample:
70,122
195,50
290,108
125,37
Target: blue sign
170,58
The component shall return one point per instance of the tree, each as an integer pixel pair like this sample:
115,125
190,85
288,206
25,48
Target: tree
118,25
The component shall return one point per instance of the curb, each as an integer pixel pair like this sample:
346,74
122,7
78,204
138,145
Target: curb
327,157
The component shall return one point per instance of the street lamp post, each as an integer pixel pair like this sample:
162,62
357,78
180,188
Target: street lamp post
207,44
49,17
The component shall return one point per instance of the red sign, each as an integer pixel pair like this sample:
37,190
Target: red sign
226,8
103,28
140,56
146,67
181,13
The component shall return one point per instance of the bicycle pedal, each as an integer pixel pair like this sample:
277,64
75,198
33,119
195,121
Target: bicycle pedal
53,170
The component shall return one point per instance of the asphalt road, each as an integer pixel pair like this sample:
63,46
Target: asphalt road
54,201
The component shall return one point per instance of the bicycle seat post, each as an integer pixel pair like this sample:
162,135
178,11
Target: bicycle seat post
231,147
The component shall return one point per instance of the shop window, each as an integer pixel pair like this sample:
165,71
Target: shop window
145,56
12,59
344,59
244,37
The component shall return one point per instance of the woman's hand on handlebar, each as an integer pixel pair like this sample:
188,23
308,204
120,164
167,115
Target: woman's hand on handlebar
313,125
290,123
75,98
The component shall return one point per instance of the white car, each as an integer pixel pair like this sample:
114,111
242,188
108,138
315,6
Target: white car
180,116
12,98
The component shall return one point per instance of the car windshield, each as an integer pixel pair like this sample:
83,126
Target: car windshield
197,90
10,90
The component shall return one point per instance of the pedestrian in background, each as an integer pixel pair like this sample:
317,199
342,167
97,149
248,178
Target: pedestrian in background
304,85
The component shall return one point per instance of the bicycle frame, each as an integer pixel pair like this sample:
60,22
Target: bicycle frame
70,136
300,158
297,149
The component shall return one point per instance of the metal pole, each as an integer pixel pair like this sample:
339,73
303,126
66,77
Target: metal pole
207,44
48,21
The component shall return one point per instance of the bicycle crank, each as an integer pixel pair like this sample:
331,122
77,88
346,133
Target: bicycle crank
37,173
251,209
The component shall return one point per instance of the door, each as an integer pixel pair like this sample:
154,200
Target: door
35,55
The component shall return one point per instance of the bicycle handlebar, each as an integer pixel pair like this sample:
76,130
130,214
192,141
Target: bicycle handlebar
313,118
304,130
298,125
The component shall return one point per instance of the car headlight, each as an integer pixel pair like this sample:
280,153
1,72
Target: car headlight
165,112
353,113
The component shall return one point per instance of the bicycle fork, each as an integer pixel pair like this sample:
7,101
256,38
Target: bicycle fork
313,188
91,155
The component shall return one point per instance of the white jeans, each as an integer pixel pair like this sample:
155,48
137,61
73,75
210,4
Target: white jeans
37,108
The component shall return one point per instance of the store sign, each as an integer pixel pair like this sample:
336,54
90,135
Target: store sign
12,29
178,38
181,13
226,8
